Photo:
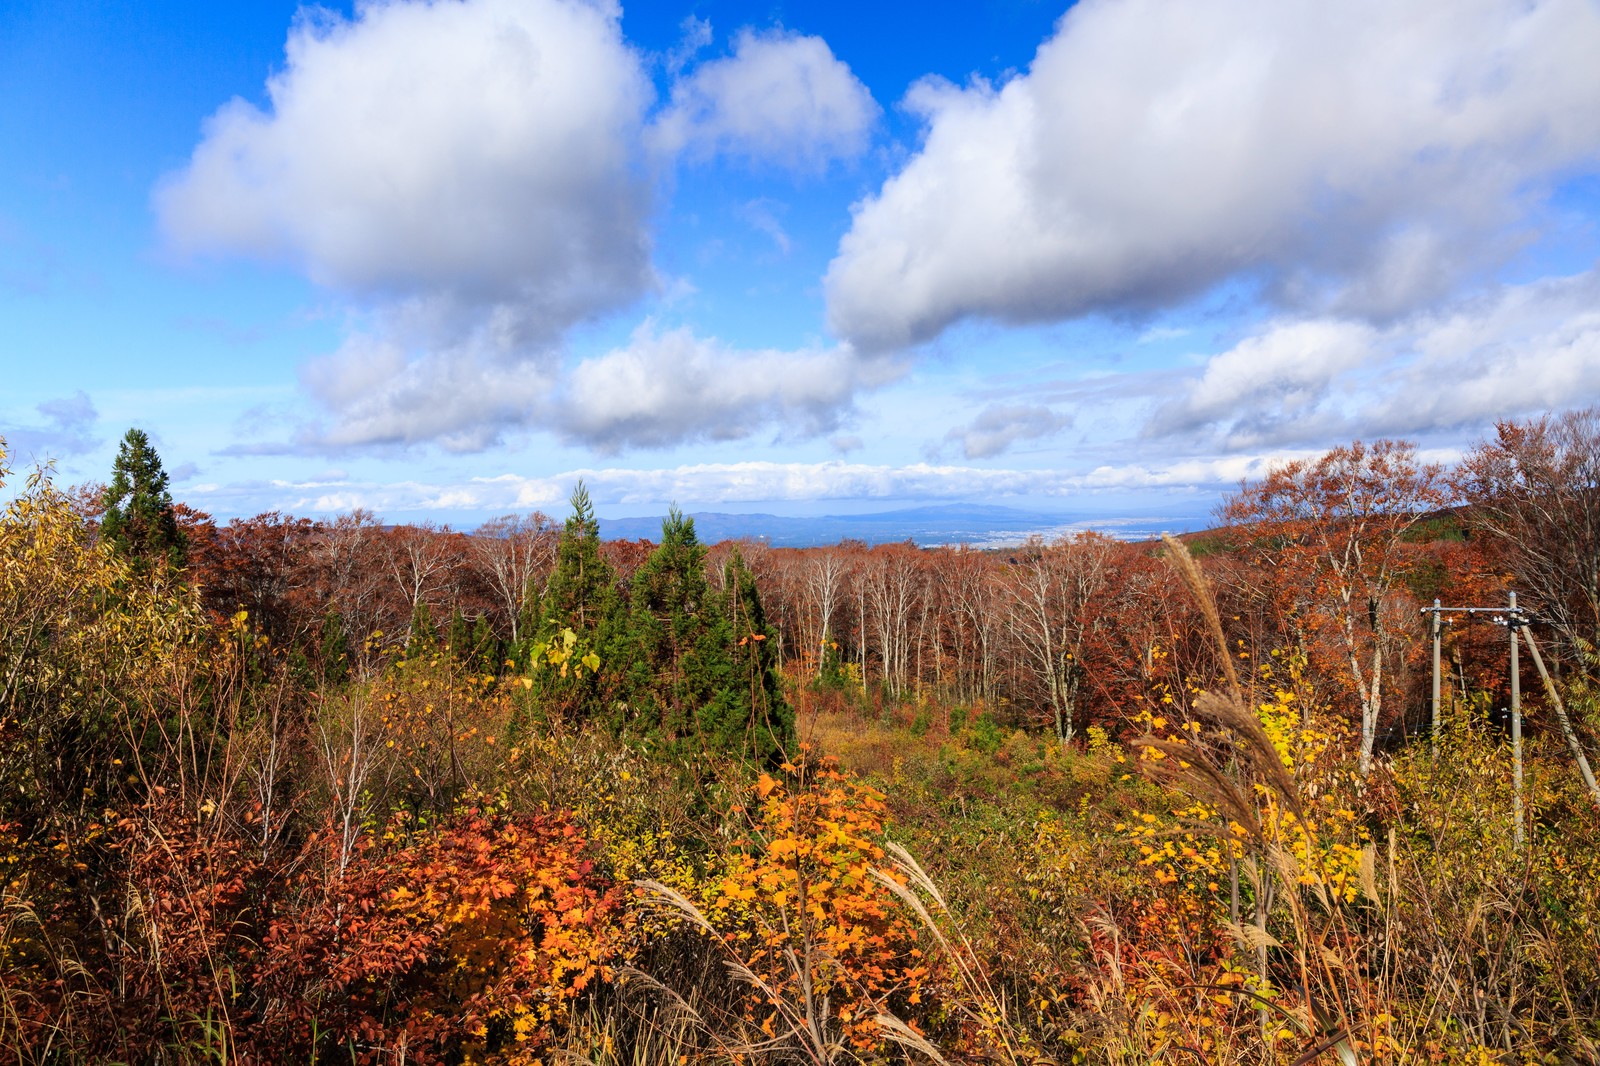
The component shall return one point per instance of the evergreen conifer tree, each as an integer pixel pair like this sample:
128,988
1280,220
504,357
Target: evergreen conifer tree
664,682
702,665
140,520
576,651
582,586
335,651
423,637
749,713
529,618
458,636
484,654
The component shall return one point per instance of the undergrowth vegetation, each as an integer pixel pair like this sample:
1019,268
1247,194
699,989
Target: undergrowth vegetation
617,826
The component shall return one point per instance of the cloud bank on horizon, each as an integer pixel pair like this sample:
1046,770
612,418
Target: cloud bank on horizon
1179,241
739,483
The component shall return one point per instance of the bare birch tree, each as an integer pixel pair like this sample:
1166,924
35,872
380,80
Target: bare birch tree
513,552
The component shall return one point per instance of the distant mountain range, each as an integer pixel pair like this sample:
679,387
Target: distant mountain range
974,524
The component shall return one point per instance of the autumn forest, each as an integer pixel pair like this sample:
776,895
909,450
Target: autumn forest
282,789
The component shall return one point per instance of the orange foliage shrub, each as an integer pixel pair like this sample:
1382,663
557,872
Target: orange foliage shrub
807,914
161,945
472,938
194,889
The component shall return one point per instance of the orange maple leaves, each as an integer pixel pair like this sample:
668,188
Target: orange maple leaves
475,935
806,904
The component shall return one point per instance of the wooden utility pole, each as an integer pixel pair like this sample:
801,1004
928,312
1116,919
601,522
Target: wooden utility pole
1433,734
1518,623
1514,621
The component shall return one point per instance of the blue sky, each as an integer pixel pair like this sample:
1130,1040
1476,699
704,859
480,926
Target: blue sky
441,259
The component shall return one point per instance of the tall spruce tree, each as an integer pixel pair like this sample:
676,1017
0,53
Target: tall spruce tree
750,713
422,638
574,658
664,681
335,648
702,675
140,520
484,655
582,586
458,635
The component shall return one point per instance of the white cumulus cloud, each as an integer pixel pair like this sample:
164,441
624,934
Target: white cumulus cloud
780,97
468,173
1273,378
1519,351
410,379
481,151
669,387
998,426
475,178
663,388
1354,159
1508,352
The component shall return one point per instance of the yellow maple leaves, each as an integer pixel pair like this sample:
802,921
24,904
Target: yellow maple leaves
805,883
